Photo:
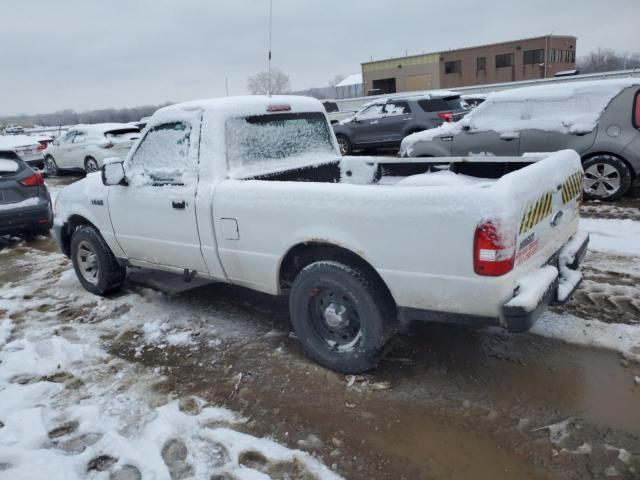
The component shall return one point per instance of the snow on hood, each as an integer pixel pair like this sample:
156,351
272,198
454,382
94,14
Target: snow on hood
573,107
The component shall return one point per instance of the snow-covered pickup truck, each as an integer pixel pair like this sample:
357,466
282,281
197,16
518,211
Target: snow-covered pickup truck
252,191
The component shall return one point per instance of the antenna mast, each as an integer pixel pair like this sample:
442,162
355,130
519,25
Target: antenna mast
270,20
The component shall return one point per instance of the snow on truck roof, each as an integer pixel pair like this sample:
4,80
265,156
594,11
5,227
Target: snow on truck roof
241,106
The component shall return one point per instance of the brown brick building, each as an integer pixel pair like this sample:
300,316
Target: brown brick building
496,63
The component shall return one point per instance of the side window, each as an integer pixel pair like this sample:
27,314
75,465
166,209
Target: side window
369,113
162,158
80,137
393,109
497,115
68,137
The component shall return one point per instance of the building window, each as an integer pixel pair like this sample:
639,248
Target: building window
453,67
504,60
481,63
531,57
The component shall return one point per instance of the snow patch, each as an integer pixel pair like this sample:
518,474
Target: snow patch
613,235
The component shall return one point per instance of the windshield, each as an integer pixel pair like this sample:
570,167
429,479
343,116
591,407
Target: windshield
270,143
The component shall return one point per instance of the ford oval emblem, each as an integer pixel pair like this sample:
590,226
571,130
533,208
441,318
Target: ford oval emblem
555,220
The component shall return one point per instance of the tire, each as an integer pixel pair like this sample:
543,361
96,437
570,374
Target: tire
606,178
342,316
99,272
51,167
91,165
345,144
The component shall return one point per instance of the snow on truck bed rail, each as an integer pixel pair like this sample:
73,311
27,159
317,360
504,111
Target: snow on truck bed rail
567,108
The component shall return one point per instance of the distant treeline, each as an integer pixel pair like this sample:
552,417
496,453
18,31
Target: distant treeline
71,117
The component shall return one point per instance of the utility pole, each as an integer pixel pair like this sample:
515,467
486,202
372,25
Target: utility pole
226,84
270,22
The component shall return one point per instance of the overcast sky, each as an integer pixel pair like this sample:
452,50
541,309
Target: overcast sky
86,54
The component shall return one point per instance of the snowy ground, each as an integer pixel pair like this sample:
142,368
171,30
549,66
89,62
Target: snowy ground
209,384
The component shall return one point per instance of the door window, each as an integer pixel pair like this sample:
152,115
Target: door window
371,112
392,109
68,137
162,158
80,137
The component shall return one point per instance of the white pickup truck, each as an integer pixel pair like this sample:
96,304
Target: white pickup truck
253,191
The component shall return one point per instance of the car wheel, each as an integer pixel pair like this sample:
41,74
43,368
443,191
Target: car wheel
345,145
96,267
91,165
342,317
51,167
606,178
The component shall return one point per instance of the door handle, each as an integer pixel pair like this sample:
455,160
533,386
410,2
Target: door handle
373,122
179,204
407,119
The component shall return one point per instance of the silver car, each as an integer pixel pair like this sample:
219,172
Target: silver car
599,119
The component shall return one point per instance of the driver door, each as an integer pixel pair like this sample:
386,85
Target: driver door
154,216
366,125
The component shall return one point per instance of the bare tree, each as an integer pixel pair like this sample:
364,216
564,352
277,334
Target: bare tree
607,60
259,83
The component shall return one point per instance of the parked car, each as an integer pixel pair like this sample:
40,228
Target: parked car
25,205
84,147
384,123
252,191
334,113
598,119
14,130
28,149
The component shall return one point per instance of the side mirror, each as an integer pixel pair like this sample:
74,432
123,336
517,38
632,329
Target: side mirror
113,173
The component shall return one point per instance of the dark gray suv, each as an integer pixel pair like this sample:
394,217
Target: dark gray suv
386,122
25,205
598,119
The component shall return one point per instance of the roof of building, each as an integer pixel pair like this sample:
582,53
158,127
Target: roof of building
472,47
353,79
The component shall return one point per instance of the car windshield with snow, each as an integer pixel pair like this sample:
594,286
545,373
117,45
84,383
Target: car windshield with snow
253,191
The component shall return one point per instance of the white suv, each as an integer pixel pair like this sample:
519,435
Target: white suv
85,147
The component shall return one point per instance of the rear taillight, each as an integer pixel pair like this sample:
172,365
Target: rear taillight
636,112
106,144
493,251
446,116
34,180
42,146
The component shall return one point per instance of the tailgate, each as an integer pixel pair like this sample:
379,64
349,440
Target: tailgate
548,221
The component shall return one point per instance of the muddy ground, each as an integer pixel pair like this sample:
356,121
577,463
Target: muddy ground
448,402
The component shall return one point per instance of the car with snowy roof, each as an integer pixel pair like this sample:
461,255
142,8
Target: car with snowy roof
253,191
598,119
334,114
85,147
29,149
385,122
25,205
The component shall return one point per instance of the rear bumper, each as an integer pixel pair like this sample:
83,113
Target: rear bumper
520,313
23,220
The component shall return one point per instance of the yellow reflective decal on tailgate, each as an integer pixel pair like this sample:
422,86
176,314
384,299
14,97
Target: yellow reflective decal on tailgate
537,212
571,187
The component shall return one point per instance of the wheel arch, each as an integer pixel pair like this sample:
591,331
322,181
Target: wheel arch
66,232
303,254
591,155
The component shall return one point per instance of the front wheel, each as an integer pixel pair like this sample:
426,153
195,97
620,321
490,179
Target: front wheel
606,178
345,145
91,165
342,316
96,267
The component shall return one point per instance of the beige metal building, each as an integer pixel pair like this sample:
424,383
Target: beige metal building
526,59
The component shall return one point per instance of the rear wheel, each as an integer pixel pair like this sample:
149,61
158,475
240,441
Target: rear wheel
342,316
96,267
606,177
91,165
51,167
345,145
